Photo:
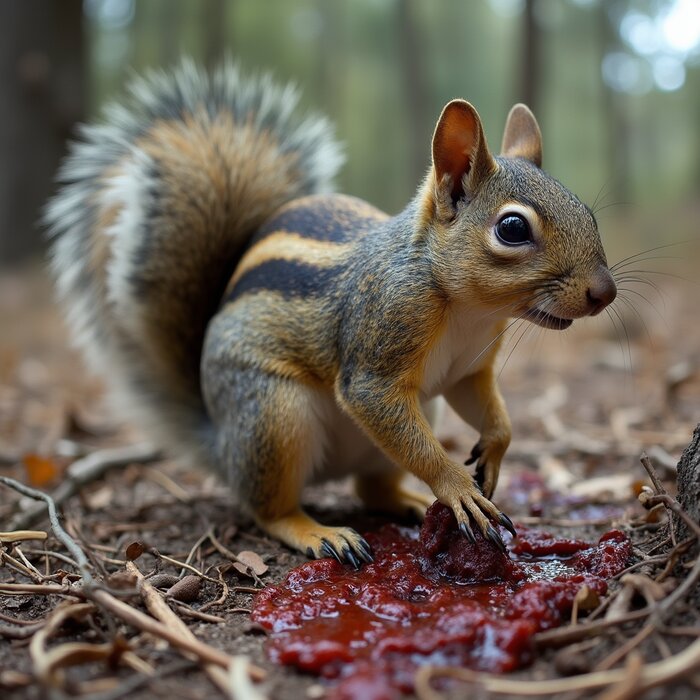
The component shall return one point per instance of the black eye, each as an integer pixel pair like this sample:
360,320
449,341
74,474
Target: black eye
513,229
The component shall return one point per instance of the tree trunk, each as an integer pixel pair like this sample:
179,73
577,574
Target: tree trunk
415,87
42,73
689,481
530,60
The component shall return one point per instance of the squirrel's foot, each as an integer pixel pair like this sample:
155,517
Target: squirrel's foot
301,532
384,493
459,491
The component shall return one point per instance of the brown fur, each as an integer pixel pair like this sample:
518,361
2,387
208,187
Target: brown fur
278,321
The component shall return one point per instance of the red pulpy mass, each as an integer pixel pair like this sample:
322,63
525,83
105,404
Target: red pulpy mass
429,597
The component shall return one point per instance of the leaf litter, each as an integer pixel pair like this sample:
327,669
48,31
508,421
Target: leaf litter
148,587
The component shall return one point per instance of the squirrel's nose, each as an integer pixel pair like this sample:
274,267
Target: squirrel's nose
601,291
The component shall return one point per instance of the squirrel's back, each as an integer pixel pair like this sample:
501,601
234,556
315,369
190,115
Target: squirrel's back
157,204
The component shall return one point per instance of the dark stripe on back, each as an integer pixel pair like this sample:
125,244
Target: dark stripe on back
324,219
290,278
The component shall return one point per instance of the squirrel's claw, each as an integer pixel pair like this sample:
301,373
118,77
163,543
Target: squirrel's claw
467,532
495,538
507,523
480,470
330,551
474,456
350,548
364,551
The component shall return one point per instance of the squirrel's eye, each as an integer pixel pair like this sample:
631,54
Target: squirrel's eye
513,229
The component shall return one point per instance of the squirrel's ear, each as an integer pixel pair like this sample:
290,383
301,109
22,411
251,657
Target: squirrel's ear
460,150
522,137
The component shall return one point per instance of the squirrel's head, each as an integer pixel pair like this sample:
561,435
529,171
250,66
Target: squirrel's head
505,234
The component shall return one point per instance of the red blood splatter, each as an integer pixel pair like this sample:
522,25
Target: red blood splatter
429,597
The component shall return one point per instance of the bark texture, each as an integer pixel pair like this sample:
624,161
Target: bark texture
689,480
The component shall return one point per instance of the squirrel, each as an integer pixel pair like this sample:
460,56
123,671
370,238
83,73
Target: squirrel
263,326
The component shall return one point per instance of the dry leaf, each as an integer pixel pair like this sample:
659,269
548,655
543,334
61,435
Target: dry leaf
135,550
40,470
250,561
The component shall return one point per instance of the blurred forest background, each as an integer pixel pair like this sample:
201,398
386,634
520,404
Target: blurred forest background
615,85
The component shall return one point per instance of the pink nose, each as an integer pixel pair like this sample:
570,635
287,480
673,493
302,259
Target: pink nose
601,291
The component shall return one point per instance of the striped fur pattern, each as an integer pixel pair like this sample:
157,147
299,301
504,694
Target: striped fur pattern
157,203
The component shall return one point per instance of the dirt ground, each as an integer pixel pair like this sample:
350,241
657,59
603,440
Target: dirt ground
584,405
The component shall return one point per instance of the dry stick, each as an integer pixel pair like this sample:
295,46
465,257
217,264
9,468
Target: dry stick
627,687
19,566
135,682
189,611
187,643
9,632
159,608
17,620
224,593
182,565
156,604
652,675
565,635
22,535
84,471
226,552
40,589
42,661
68,542
671,504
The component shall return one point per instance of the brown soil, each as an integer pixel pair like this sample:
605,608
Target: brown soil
579,415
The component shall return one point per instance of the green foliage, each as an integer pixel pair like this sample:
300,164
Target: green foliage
384,87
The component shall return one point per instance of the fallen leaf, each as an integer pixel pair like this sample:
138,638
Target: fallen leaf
40,470
135,550
250,561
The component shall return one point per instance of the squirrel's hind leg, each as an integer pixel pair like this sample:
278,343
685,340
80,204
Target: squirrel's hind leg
270,437
387,494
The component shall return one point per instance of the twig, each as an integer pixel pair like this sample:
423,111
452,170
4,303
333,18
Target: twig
41,589
44,662
68,542
84,471
565,635
224,593
16,620
134,683
194,548
226,552
651,675
239,675
182,565
9,632
19,566
22,535
159,608
183,637
189,611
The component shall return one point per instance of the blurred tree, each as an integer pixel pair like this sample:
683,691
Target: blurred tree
41,70
415,87
215,31
615,119
529,73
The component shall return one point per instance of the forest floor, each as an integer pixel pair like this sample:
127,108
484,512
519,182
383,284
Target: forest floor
584,405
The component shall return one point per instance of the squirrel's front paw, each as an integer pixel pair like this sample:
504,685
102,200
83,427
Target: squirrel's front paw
461,494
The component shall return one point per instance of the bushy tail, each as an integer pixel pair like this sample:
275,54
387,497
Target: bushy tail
156,206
